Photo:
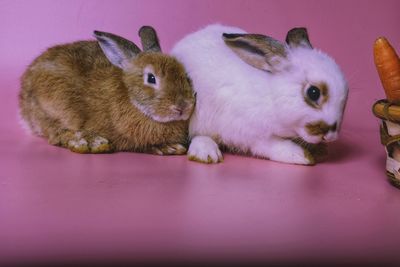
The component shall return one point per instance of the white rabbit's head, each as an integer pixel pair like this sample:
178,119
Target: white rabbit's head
308,86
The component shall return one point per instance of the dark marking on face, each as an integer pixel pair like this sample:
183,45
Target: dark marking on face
323,89
334,127
320,128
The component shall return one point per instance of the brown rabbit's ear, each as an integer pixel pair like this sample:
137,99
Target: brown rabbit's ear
298,37
260,51
149,39
118,50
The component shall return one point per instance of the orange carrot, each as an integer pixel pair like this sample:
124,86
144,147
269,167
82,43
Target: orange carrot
387,63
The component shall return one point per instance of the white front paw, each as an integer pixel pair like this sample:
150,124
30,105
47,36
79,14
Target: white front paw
283,150
204,149
298,155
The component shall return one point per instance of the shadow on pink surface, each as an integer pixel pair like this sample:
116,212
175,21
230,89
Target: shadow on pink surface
58,205
344,150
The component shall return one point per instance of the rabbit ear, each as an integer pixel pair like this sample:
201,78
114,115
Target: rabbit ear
149,39
298,37
118,50
260,51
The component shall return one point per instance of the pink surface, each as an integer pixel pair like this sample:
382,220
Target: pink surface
56,205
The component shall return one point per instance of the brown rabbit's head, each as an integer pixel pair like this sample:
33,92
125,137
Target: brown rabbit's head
157,83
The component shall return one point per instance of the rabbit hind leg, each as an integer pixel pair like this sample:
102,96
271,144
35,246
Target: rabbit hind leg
52,122
45,125
99,144
79,141
69,132
84,142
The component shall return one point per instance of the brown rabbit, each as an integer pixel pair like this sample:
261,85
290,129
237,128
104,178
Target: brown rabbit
99,97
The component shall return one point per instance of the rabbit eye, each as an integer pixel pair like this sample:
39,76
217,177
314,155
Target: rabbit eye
313,93
151,78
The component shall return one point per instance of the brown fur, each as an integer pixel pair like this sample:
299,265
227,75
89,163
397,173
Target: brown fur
260,51
72,92
313,152
149,39
298,37
320,128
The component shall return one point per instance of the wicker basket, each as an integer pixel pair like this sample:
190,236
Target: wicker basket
390,137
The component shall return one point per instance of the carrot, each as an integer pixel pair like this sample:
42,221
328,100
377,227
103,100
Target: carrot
387,63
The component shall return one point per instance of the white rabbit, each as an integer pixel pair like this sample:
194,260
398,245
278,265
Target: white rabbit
256,95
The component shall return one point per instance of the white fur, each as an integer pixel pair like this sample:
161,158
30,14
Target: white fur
250,109
78,135
99,141
204,149
146,110
77,143
149,112
163,118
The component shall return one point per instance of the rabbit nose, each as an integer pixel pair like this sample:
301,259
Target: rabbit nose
330,133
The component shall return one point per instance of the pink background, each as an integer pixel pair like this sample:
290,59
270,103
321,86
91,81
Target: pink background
59,205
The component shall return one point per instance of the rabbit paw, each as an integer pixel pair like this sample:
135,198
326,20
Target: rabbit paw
99,144
82,143
78,144
284,150
170,149
203,149
295,155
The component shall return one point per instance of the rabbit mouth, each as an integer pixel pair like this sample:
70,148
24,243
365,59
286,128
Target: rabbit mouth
169,118
173,116
312,139
317,132
164,118
316,139
303,135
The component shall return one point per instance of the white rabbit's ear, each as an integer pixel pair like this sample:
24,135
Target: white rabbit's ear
298,37
149,39
260,51
118,50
